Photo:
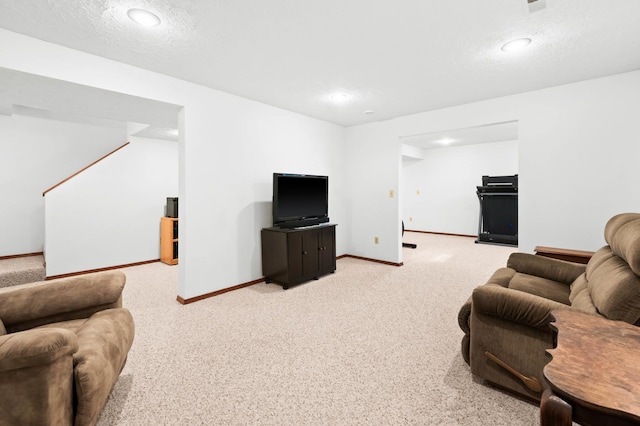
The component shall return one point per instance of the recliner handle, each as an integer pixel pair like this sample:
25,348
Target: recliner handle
530,382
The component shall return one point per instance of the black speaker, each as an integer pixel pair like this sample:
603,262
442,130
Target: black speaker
172,207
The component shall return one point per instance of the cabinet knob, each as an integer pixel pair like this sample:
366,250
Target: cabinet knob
304,252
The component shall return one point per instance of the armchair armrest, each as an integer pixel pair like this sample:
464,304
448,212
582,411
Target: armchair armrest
545,267
513,305
36,377
35,348
31,305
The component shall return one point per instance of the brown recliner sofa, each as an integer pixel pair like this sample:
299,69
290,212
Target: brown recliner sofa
506,321
63,344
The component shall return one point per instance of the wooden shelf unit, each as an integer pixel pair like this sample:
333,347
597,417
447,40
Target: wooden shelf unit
169,240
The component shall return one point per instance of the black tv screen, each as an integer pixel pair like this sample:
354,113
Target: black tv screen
300,200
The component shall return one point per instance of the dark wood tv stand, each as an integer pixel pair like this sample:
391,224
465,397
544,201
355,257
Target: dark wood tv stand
293,256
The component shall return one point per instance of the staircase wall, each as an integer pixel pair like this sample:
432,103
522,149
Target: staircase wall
109,214
35,153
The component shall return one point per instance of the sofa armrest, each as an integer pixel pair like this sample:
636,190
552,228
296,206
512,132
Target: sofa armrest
105,340
576,256
513,305
36,377
31,305
463,316
33,348
545,267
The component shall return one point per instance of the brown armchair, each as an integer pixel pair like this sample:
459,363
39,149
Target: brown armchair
506,321
63,344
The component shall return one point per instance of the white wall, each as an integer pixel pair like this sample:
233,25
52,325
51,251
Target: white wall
35,154
578,151
439,191
229,146
374,164
579,160
228,183
109,214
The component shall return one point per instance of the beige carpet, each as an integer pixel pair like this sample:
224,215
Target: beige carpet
369,345
21,270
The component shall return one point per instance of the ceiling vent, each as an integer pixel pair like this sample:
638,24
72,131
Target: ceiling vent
534,5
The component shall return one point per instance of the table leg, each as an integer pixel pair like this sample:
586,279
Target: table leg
554,411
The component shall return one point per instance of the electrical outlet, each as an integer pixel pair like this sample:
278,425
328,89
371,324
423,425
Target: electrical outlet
391,193
375,240
417,192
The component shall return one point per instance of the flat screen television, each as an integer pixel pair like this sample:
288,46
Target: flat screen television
300,200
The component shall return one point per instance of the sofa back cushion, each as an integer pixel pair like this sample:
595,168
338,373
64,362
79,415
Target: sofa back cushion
26,306
3,330
610,286
584,303
577,288
622,233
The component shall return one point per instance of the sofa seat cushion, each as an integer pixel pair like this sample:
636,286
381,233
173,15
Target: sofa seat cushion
501,277
542,287
104,341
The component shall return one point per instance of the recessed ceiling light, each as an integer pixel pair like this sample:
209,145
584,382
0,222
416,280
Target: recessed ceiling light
369,112
143,17
444,141
338,97
516,44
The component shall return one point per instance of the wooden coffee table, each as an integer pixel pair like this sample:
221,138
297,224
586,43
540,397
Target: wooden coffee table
594,374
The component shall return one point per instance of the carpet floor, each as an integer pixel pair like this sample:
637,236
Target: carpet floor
21,270
371,344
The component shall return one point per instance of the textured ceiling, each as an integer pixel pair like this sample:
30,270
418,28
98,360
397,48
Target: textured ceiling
392,57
